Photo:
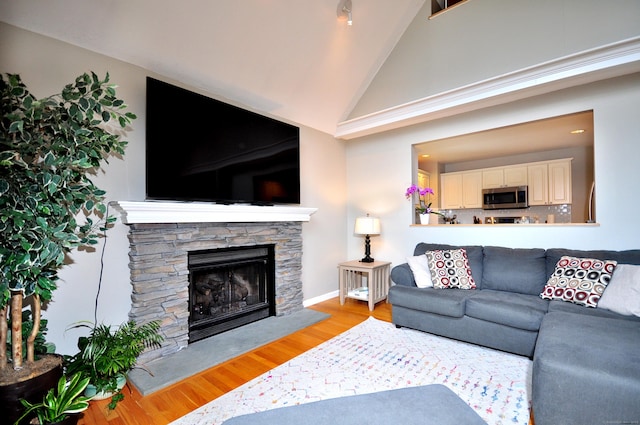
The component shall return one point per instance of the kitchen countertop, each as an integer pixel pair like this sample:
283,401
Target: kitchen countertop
510,225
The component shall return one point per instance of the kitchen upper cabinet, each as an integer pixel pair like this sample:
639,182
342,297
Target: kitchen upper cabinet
538,184
492,178
560,182
550,183
504,177
515,176
461,190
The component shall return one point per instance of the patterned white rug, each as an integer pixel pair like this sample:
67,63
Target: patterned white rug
375,356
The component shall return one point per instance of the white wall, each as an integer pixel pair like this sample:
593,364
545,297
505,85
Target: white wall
46,65
380,169
483,39
323,181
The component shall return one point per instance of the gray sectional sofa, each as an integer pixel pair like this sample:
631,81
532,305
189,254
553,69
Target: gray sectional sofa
586,361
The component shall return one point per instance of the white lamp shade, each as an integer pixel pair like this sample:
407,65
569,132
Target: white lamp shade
367,226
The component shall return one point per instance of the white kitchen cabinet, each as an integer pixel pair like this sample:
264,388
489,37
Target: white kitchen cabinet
538,184
515,176
461,190
504,176
492,178
451,190
550,182
560,182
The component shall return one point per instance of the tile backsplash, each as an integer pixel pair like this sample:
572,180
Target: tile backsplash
534,214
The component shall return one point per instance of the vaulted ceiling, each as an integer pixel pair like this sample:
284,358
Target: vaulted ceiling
291,59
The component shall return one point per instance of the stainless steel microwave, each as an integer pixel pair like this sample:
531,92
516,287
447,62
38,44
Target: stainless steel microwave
505,197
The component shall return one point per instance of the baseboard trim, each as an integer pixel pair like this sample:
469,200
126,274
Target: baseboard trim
321,298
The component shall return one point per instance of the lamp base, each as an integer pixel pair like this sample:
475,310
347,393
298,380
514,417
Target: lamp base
367,251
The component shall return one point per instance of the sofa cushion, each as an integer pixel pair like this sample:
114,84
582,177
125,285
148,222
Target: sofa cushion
622,294
586,370
562,306
474,255
519,270
450,269
579,280
520,311
419,266
446,303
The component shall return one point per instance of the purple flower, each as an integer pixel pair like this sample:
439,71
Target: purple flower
421,208
425,191
415,189
411,190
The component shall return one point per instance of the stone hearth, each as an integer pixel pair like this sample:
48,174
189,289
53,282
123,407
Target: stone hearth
159,259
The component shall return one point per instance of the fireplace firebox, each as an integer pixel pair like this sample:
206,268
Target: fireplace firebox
229,288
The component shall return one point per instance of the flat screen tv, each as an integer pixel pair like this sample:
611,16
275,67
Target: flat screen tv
201,149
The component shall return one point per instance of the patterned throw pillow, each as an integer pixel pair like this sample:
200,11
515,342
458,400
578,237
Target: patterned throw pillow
450,269
579,280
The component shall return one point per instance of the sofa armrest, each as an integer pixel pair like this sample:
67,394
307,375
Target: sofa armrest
402,275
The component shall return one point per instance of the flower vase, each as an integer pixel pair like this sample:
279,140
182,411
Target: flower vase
424,218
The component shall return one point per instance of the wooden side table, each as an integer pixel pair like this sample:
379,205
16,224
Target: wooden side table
351,285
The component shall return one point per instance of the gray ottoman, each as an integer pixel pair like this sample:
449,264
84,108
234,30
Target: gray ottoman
426,405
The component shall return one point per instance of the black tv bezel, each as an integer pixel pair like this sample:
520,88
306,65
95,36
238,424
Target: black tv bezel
250,116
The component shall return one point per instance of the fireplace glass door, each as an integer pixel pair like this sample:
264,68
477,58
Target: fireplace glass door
229,288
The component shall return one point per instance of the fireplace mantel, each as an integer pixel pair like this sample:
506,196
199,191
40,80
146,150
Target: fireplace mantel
196,212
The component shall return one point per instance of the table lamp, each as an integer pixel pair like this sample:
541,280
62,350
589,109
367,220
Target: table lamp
367,226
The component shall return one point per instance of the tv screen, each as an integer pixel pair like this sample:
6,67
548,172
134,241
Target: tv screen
201,149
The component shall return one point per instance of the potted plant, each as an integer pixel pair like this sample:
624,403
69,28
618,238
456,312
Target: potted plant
48,150
422,208
40,345
107,354
62,404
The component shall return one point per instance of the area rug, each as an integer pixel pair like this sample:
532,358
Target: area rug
202,355
376,356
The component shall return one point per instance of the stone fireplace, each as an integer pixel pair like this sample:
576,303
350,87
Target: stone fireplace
162,236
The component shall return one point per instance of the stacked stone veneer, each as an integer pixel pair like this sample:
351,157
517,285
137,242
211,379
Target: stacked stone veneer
160,274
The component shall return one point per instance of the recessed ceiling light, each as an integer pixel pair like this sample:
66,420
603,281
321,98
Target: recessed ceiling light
578,131
426,155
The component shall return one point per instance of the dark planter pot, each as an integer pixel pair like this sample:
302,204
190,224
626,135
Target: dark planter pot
31,389
70,420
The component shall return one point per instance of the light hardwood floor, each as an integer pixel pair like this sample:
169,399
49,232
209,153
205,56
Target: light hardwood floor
169,404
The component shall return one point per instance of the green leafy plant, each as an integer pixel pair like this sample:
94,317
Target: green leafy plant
106,354
49,148
59,402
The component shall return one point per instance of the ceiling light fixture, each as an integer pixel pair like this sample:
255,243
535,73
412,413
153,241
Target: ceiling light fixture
344,11
579,131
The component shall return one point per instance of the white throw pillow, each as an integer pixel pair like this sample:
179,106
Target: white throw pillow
622,295
420,268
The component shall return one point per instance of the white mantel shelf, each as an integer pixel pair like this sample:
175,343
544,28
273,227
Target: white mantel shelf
196,212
